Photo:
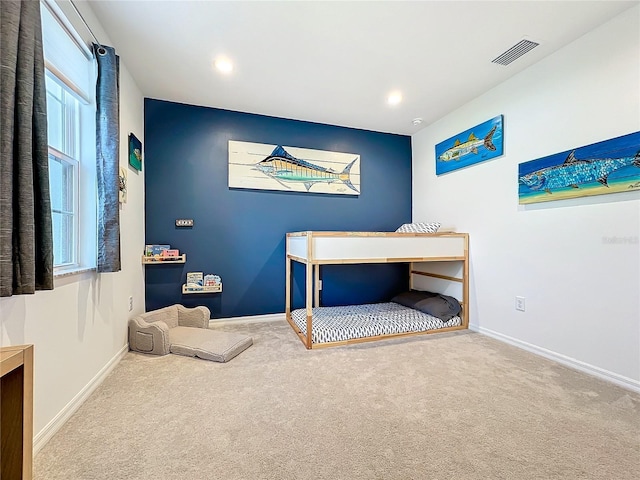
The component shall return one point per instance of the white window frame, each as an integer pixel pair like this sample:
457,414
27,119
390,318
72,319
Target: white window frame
73,213
78,146
71,121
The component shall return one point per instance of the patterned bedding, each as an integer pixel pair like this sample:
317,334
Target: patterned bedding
336,324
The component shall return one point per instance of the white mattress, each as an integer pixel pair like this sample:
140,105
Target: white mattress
336,324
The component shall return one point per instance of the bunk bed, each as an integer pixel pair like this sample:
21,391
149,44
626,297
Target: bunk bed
438,262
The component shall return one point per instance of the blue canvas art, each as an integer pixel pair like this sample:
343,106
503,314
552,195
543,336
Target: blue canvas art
135,152
611,166
478,144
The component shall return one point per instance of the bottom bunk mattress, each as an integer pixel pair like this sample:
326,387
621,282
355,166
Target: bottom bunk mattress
339,324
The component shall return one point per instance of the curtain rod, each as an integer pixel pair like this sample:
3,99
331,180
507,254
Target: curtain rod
101,50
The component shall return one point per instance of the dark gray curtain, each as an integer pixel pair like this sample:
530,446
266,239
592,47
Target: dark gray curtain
107,149
26,242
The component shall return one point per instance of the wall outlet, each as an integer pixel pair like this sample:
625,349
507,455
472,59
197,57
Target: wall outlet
130,303
520,304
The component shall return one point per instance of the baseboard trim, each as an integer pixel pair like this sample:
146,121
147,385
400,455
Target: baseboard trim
270,317
44,435
620,380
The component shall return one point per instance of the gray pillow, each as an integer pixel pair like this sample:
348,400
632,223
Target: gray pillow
419,227
441,306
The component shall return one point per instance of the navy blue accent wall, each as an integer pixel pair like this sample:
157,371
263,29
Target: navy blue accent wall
238,233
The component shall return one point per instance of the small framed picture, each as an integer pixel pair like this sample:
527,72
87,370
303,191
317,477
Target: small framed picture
135,152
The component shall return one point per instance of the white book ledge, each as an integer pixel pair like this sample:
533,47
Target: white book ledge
206,289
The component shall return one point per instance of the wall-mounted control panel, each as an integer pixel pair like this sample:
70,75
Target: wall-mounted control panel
184,222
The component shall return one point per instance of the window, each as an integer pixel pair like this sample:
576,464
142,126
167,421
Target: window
63,131
70,80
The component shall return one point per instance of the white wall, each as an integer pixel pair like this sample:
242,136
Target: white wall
79,329
582,293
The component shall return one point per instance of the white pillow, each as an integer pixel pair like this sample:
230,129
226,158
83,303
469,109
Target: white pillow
419,228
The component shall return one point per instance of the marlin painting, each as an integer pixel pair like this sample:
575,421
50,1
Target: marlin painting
575,172
285,168
470,146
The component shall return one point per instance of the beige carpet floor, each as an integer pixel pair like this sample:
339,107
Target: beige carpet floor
448,406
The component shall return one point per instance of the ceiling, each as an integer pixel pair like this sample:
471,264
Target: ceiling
336,62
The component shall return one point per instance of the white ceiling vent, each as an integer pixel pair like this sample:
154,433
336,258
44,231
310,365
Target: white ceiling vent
515,52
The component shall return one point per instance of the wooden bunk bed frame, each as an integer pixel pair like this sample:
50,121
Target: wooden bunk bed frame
419,250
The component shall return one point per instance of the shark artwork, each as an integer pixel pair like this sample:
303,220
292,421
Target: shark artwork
605,167
574,172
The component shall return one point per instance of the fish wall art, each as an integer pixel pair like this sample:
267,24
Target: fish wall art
478,144
292,169
135,152
610,166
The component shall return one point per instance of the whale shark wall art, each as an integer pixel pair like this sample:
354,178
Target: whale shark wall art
610,166
275,167
478,144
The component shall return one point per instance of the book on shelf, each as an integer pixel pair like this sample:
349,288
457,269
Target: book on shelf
154,249
194,279
211,280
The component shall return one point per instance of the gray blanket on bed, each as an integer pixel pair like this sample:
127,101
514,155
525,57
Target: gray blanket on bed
442,306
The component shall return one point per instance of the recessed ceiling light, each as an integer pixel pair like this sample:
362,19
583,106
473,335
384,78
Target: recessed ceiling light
394,98
223,65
